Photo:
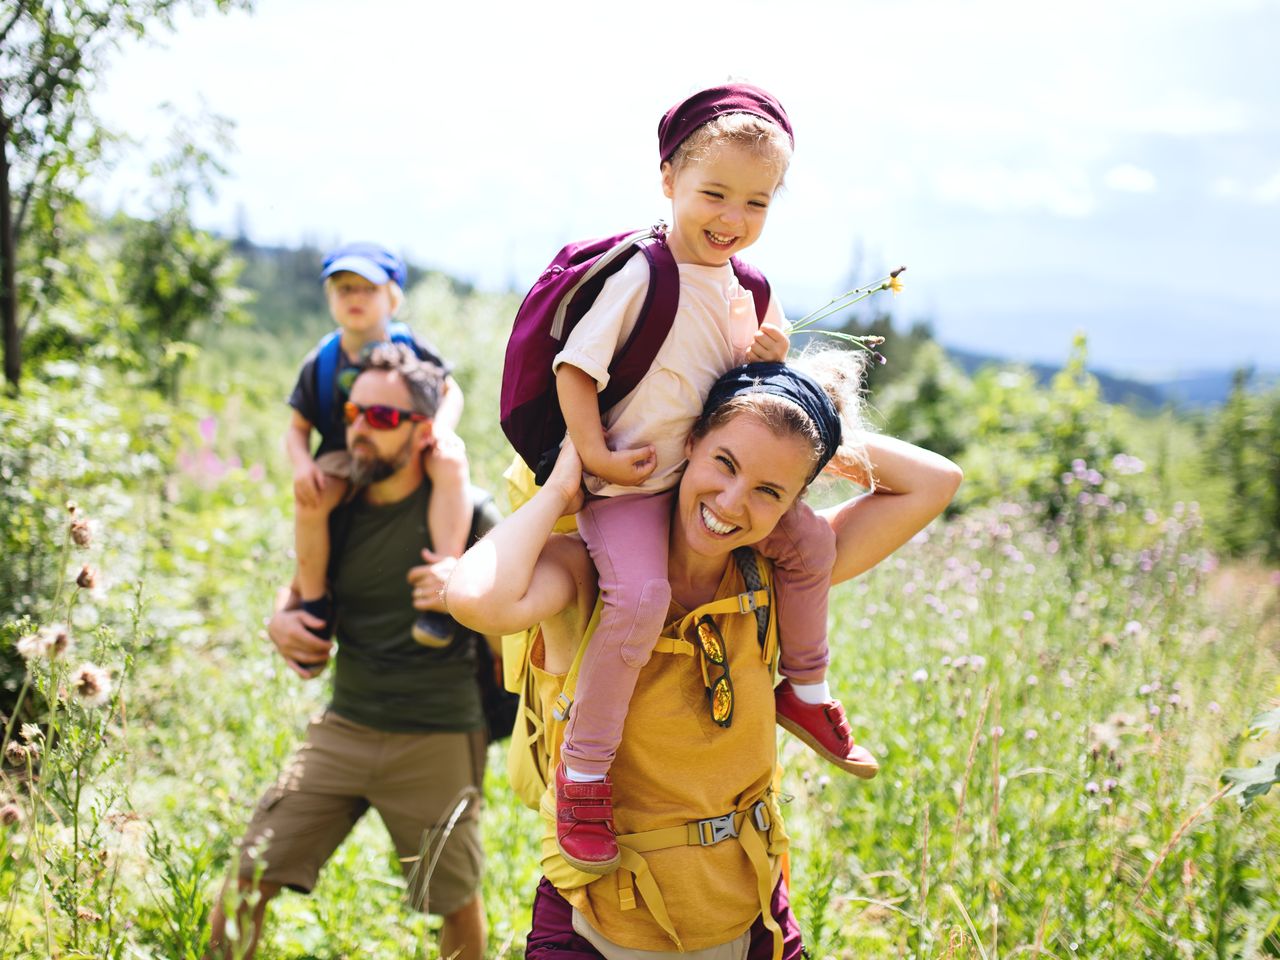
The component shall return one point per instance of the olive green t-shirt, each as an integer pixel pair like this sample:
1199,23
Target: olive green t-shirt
382,677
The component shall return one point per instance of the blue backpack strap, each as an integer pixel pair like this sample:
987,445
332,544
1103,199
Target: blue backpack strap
753,280
326,367
328,355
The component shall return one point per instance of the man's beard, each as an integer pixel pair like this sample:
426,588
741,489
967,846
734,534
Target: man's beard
373,468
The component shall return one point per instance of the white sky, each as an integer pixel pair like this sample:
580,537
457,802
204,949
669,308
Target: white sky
1112,167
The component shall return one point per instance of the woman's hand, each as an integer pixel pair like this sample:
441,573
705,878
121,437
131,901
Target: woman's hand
566,478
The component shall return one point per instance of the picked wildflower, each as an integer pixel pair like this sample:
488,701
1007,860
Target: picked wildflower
895,280
91,684
31,732
843,301
81,533
10,814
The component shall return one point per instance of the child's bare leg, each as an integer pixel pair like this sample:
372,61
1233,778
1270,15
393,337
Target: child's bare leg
802,548
448,522
311,548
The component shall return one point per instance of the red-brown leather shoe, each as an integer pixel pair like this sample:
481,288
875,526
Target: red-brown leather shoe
824,727
584,824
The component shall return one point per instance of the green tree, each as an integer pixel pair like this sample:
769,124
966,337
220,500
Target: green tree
51,51
178,277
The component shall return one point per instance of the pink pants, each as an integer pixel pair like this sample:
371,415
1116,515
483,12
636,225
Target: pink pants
627,537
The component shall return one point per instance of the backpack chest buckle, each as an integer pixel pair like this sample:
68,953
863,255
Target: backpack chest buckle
714,829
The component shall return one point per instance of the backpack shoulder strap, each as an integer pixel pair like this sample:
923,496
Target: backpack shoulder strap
748,566
399,332
657,314
326,367
563,703
753,280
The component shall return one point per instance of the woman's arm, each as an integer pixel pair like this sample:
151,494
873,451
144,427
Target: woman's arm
909,487
512,579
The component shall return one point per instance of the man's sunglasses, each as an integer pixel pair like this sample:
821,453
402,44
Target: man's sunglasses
719,688
379,416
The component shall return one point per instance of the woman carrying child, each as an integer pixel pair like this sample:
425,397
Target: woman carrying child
700,832
723,155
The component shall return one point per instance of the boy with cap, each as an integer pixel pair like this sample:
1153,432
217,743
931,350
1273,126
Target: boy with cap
364,287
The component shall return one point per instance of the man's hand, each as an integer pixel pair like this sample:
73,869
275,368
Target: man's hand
430,579
626,468
771,344
308,482
305,653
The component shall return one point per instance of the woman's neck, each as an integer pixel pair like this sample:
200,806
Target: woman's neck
694,579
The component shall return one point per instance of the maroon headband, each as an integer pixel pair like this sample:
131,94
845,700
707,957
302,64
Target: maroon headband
706,105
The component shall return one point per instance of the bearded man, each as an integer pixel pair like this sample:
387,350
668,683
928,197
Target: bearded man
404,732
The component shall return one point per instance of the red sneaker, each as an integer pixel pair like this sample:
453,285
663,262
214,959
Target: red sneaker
584,824
823,727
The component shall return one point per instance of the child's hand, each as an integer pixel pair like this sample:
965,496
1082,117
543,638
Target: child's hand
771,344
308,482
430,579
626,468
446,459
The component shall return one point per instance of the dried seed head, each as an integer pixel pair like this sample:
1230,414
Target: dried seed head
91,684
30,732
10,814
84,913
81,534
88,578
46,643
16,753
71,507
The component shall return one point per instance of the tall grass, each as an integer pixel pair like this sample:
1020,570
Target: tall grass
1052,702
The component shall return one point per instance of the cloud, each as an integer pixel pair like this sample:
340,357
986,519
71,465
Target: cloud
1129,178
1269,191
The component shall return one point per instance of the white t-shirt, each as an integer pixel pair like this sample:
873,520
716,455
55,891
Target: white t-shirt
715,323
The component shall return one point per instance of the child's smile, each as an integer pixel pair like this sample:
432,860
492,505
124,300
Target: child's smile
719,204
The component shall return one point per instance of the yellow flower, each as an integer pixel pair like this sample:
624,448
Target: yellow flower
895,284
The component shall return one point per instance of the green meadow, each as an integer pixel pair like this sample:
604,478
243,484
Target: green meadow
1055,675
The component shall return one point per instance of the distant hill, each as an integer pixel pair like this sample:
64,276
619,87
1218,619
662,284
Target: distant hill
1189,391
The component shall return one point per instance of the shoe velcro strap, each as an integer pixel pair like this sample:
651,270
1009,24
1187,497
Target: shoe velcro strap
590,790
601,812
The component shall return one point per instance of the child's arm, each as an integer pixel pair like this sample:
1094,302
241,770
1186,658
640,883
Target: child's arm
577,391
308,479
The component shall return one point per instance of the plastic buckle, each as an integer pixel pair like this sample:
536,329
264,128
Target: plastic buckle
760,816
561,708
714,829
747,602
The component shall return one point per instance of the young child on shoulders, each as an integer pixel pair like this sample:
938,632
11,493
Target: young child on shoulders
723,154
364,288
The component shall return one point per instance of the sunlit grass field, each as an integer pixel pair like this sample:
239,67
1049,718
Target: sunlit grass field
1053,702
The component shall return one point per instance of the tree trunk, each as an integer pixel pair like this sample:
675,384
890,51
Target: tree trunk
8,256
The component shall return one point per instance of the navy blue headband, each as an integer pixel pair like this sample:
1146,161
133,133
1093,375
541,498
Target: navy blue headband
779,380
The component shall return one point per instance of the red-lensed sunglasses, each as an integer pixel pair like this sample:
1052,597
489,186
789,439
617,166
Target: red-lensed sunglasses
379,416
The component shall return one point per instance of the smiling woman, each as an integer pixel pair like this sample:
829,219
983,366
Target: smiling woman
698,826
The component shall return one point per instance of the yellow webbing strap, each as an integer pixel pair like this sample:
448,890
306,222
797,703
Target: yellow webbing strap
633,865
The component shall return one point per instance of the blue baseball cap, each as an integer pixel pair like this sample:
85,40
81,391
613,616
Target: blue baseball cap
376,264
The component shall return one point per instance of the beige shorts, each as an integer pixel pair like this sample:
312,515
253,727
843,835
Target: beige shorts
416,782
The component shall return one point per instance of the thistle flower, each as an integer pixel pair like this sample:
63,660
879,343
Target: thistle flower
91,684
31,732
10,814
88,578
81,533
84,913
15,753
45,644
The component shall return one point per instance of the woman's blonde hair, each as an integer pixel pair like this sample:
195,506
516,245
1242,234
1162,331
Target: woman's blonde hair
768,141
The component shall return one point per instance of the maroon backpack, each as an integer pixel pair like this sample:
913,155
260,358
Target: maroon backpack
530,410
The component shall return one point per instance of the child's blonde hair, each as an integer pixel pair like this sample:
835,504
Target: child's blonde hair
768,141
393,290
